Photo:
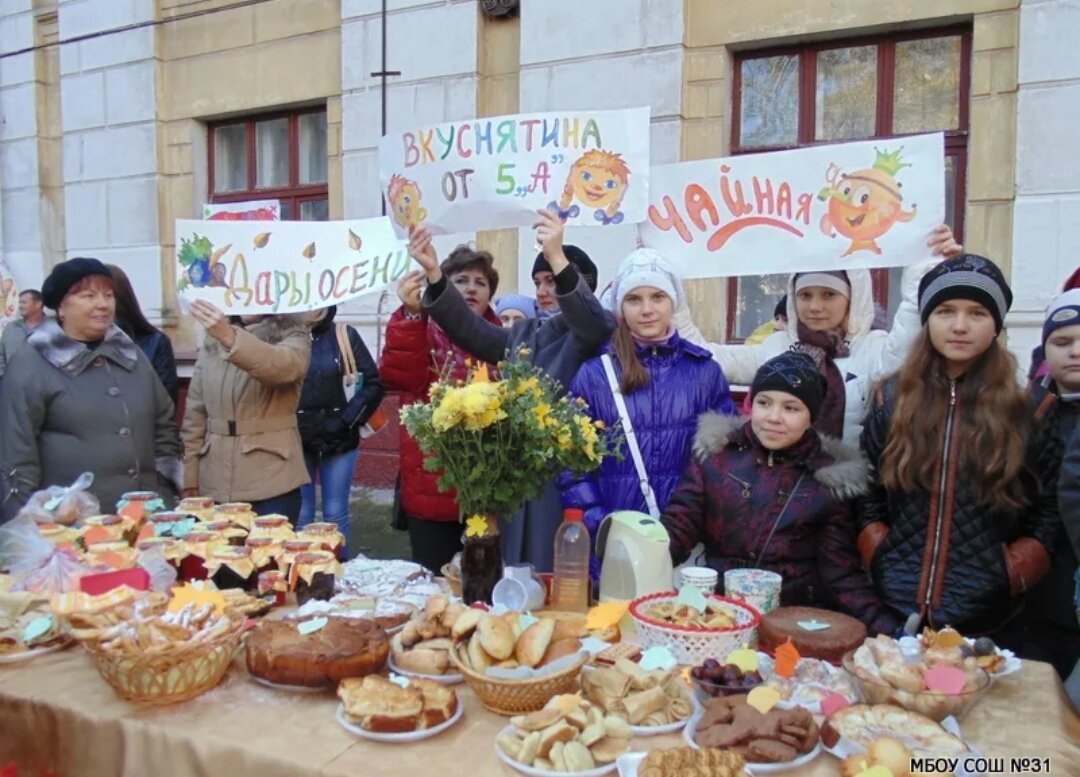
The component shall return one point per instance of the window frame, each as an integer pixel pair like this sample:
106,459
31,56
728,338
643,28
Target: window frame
956,140
292,194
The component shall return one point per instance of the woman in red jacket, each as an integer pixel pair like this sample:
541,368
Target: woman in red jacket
417,351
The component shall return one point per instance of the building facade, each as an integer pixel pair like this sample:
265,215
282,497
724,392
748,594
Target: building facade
119,116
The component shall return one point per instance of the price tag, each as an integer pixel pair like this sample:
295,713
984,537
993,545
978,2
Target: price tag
396,679
37,628
813,625
313,625
692,596
659,657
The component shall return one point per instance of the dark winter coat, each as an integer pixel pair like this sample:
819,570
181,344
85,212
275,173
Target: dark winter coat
415,354
66,409
987,556
330,425
684,383
159,351
558,345
735,491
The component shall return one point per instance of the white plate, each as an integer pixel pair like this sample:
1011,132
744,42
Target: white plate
292,688
29,655
442,679
599,771
408,736
629,763
755,768
669,728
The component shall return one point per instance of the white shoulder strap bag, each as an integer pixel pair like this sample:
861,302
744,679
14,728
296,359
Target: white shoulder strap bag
631,438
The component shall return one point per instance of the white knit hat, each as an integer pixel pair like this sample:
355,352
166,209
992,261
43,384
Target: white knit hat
644,267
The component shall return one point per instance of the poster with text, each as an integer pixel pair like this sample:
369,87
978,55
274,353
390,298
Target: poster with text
285,266
250,210
835,207
592,167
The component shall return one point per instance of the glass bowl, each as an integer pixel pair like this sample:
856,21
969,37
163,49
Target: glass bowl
708,689
933,704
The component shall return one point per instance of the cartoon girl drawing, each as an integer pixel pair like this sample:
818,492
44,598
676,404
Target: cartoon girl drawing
404,198
598,179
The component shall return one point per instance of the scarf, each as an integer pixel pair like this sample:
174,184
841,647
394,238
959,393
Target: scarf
824,348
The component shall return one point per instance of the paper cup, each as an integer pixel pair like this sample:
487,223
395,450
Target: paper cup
755,587
704,578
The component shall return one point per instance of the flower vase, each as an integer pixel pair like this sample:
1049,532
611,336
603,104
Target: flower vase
481,559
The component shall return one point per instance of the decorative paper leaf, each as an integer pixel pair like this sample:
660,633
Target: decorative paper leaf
945,679
95,534
786,659
605,615
53,503
763,698
692,596
658,657
309,251
476,526
262,239
311,626
594,646
396,679
355,243
527,619
133,510
38,627
813,625
744,658
834,702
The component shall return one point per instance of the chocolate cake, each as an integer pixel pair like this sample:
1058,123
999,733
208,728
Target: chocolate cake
843,633
345,647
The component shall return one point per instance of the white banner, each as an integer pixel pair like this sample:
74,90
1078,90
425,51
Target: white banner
251,210
286,266
851,205
9,295
592,167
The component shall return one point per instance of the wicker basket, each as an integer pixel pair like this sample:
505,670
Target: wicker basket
453,579
177,673
515,697
691,645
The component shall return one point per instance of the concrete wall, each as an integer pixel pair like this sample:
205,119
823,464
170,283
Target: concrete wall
1046,213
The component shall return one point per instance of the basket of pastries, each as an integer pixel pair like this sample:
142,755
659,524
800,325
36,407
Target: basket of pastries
691,634
515,663
152,655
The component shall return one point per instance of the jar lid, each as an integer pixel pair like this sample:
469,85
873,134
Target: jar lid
294,546
103,520
196,503
231,551
271,521
314,557
323,527
140,496
199,536
260,542
235,507
105,547
170,517
149,542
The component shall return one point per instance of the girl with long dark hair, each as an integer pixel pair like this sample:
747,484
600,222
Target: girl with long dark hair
151,340
961,515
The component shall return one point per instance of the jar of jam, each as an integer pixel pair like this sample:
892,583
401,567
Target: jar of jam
324,535
228,531
274,526
312,575
273,582
230,566
164,524
239,513
140,505
107,528
169,547
116,555
200,507
291,549
196,550
58,535
265,552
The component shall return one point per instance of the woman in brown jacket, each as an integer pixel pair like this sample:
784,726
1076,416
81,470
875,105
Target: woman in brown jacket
240,437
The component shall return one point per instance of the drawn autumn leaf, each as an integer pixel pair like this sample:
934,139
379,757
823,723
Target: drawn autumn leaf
354,241
309,252
262,239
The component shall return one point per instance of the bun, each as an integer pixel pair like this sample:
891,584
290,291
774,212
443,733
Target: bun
534,642
560,648
496,638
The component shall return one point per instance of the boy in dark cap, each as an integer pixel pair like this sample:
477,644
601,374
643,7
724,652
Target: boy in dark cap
544,278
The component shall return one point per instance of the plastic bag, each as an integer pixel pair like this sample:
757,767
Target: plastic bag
162,573
34,563
68,506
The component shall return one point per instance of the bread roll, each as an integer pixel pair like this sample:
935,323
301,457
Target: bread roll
423,661
466,622
533,642
560,648
496,638
478,657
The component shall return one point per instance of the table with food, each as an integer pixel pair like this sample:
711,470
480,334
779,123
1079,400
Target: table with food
209,640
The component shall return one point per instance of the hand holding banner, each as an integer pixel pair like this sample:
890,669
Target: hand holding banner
591,167
844,206
254,267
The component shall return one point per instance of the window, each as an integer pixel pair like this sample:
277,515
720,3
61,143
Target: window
850,90
279,156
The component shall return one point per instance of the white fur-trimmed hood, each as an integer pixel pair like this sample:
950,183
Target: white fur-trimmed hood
847,477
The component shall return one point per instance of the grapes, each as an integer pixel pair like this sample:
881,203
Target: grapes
711,663
984,646
716,679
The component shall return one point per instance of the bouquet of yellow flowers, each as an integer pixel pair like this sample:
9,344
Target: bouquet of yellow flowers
499,443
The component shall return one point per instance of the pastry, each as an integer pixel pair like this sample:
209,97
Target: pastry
620,650
485,641
376,704
345,647
777,736
569,734
843,634
682,761
634,696
533,643
863,724
671,613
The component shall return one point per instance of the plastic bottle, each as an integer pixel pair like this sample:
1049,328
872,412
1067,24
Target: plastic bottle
570,586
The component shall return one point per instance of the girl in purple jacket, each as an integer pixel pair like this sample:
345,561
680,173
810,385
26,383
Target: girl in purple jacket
665,382
771,493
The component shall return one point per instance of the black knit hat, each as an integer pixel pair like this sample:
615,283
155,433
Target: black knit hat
67,274
576,257
795,373
781,308
968,277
